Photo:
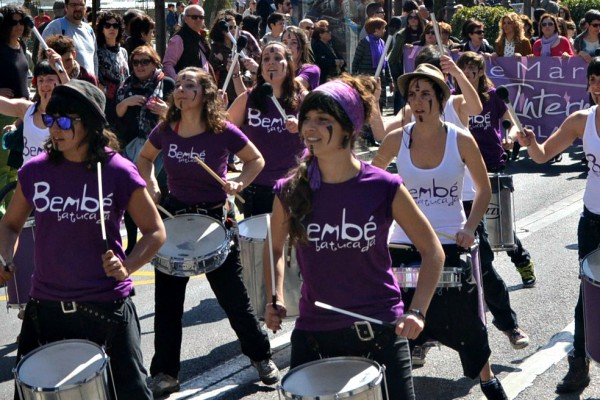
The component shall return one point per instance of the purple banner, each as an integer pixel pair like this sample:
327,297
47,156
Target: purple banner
543,90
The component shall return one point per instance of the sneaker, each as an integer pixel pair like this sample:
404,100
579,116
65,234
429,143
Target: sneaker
418,355
578,376
493,390
517,337
527,274
267,371
163,384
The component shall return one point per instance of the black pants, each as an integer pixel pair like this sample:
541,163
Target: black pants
393,352
228,287
453,315
259,200
45,322
588,238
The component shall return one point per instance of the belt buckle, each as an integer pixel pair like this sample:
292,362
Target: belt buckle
68,307
364,331
201,211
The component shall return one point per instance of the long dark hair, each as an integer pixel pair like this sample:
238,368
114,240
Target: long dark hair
290,89
296,191
6,27
97,137
485,84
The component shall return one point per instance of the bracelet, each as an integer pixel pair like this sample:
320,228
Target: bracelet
417,313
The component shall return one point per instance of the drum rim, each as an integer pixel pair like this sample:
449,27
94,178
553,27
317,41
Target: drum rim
584,261
251,239
351,393
101,371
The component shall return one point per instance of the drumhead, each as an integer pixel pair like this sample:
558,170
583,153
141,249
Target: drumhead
63,363
590,267
253,228
332,376
191,236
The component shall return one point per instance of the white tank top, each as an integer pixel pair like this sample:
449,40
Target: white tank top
450,115
591,148
437,191
33,137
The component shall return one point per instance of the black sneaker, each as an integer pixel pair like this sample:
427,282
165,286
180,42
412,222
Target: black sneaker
517,337
493,390
163,384
267,371
578,376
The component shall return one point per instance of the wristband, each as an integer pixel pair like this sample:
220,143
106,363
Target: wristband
417,313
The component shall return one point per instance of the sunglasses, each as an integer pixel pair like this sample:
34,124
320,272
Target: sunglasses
15,22
571,28
430,33
145,62
413,17
481,32
108,25
595,25
547,24
64,123
232,27
310,28
196,17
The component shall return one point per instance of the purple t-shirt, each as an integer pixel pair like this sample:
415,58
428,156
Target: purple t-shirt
310,73
279,147
186,179
68,237
485,128
346,262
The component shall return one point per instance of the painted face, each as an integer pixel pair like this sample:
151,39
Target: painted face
188,92
273,64
46,84
422,100
322,133
143,67
292,43
594,87
69,141
472,72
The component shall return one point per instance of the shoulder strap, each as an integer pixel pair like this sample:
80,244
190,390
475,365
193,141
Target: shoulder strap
63,25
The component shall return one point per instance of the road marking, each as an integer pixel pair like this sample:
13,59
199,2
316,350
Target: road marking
237,371
555,350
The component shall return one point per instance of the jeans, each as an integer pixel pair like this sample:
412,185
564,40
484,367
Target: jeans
393,352
228,287
588,238
45,322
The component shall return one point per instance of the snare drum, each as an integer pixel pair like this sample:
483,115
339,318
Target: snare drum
334,378
19,287
195,244
65,370
252,236
590,273
500,216
407,274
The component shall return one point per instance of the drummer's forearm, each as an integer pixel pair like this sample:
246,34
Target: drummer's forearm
144,250
429,275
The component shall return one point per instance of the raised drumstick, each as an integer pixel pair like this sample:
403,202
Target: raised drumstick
101,204
241,44
388,42
502,92
39,37
268,88
217,177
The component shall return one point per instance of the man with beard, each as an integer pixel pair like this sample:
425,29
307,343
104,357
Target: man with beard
72,25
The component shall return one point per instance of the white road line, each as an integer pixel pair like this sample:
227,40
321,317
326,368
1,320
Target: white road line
238,370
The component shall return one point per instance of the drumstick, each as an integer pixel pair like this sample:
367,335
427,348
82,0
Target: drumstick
217,177
388,42
44,45
101,204
241,44
502,92
268,89
445,235
273,288
436,31
164,211
355,315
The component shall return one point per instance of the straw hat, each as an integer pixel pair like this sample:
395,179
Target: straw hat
424,71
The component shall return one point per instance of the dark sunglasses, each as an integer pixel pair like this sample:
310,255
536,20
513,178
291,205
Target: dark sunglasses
430,33
15,22
595,25
145,62
116,25
232,27
546,24
481,32
196,17
413,17
64,123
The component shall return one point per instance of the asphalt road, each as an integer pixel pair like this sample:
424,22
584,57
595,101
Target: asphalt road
547,202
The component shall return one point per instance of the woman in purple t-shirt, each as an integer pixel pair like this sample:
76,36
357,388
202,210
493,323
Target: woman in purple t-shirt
196,127
276,137
307,73
79,289
337,210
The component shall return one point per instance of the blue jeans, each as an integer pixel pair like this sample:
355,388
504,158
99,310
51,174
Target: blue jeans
588,238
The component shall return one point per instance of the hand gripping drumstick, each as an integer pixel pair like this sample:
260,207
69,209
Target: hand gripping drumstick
355,315
41,40
101,204
241,44
272,262
268,88
445,235
502,92
388,42
217,177
436,31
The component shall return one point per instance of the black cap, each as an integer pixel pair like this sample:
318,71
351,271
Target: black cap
86,94
58,5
